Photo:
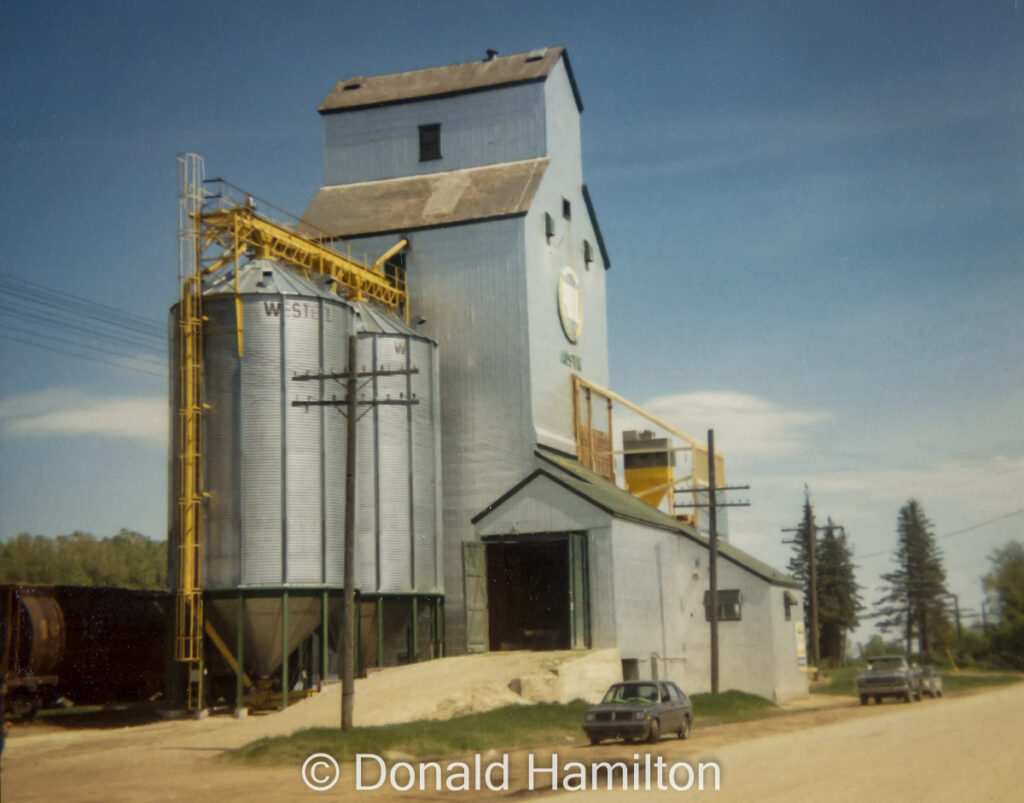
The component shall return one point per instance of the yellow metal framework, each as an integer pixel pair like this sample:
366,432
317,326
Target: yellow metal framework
595,451
238,230
216,229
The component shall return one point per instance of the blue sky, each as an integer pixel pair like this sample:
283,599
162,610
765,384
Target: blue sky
814,213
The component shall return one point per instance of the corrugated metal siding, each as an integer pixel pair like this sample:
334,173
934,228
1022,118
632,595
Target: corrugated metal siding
367,520
425,447
393,433
221,448
260,495
302,458
335,361
550,349
488,290
505,125
469,283
275,472
397,546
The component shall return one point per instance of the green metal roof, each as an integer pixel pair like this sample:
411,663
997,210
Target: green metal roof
620,503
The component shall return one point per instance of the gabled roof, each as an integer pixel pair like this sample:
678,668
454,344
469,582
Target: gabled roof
455,79
418,202
621,504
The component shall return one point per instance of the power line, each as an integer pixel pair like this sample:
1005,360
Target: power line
29,322
983,524
98,330
140,369
116,348
60,314
47,296
969,529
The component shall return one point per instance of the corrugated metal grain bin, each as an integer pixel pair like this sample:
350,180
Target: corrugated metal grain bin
398,462
274,455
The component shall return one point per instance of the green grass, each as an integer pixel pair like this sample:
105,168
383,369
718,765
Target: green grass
730,706
503,728
952,682
842,680
508,727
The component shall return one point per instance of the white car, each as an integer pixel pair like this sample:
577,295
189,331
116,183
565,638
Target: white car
931,682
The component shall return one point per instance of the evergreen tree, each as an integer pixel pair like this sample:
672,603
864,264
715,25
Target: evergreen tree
800,569
914,591
838,600
1006,582
799,563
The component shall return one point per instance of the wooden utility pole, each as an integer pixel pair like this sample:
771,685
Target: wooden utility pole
348,609
812,559
351,405
712,505
713,560
956,608
810,532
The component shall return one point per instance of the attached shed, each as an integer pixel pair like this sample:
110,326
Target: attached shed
572,560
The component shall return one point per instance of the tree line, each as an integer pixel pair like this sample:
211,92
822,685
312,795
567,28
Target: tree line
914,605
125,560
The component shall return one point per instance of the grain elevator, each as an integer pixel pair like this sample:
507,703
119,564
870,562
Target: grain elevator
489,516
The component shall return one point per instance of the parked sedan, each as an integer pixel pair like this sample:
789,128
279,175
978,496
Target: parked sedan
640,709
931,682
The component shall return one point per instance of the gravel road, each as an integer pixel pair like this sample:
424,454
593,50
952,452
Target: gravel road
967,747
964,748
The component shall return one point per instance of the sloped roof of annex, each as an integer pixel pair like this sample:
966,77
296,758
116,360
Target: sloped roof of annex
617,502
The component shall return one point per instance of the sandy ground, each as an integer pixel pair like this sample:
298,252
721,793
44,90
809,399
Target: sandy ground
161,761
960,748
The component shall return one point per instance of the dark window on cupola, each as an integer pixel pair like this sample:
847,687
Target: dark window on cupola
430,142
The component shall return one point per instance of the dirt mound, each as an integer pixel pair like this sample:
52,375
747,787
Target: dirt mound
465,684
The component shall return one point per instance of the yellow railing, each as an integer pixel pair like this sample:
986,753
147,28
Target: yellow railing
595,449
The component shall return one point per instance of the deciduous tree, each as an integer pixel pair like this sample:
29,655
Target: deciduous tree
1006,583
126,560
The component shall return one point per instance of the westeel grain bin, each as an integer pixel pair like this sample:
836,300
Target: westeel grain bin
274,446
274,472
398,548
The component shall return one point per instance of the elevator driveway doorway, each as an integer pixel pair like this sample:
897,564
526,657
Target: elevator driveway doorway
537,595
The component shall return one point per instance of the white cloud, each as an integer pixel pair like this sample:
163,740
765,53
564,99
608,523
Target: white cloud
859,479
744,425
71,412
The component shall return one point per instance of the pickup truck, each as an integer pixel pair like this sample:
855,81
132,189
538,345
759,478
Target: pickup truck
889,676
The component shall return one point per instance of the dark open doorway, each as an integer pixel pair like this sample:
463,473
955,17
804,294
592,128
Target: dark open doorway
535,589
